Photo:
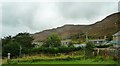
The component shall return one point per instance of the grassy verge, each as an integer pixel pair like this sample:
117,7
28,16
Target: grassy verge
88,61
60,59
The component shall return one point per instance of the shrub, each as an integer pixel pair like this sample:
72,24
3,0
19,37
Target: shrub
98,58
53,40
104,46
68,58
116,58
89,50
54,50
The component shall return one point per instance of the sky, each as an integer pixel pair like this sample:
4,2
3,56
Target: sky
33,16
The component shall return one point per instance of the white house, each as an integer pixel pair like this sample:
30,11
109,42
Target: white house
65,42
98,41
79,45
38,44
116,38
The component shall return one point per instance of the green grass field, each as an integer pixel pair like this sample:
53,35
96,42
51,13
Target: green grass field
88,61
72,62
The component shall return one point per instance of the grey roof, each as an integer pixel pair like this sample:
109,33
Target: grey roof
117,34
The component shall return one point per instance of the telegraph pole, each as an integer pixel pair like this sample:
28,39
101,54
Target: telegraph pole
20,51
86,37
86,44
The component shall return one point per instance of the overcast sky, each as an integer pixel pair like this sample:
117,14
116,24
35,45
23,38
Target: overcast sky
34,17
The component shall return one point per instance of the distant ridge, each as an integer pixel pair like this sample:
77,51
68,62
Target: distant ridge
106,27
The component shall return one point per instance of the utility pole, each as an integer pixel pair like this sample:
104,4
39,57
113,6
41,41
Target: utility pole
84,52
86,37
20,50
86,44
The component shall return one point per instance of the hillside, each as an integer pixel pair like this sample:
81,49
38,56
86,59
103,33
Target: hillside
106,27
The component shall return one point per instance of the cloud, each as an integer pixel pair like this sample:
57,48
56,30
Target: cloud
87,10
60,0
17,13
0,20
34,17
119,6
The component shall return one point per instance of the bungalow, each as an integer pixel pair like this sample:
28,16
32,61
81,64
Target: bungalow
38,44
79,45
98,41
65,42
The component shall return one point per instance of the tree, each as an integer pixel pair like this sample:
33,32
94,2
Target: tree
89,50
12,44
82,37
109,38
24,39
9,46
53,40
70,44
6,40
12,47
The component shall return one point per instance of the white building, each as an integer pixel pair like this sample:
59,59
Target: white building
65,42
38,44
116,38
98,41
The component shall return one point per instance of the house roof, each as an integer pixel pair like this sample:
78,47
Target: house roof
115,42
117,34
98,40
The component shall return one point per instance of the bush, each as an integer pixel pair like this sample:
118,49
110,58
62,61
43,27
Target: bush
54,50
12,48
53,40
89,50
116,58
12,44
98,58
68,58
104,46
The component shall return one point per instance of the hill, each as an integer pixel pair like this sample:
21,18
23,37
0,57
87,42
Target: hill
106,27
